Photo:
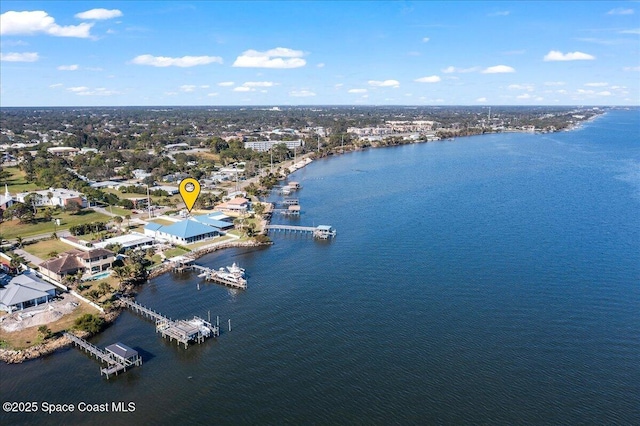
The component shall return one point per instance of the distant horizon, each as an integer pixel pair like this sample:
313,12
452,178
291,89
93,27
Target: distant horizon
270,106
147,53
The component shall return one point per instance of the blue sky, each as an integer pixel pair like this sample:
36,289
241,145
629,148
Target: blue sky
79,53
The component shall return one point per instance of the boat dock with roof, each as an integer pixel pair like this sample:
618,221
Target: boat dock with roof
117,356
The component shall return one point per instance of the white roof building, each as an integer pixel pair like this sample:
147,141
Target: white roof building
24,291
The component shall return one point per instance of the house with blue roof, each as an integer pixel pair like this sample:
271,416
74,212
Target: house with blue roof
184,232
213,221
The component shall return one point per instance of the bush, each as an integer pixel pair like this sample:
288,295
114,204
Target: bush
90,323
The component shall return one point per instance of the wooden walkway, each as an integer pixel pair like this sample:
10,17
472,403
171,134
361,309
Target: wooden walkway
114,366
322,231
183,331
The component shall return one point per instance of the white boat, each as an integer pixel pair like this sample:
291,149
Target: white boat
235,269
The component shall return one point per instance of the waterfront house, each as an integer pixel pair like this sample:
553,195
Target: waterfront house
25,290
85,262
237,205
184,232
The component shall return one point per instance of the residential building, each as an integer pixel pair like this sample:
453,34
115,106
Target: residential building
184,232
84,262
236,205
54,197
263,146
25,290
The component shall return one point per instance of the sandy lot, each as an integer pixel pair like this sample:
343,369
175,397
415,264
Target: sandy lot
39,315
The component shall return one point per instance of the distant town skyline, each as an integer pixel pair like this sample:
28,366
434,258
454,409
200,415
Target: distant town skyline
131,53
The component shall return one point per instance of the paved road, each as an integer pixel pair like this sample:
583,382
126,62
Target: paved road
28,257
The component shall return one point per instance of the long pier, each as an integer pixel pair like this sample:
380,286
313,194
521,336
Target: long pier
322,232
115,363
183,331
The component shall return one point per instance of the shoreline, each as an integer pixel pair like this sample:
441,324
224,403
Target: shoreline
10,356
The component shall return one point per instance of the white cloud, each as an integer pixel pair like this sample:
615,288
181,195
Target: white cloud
242,89
498,69
500,13
226,83
430,79
338,85
524,96
562,92
212,94
631,69
301,93
452,69
204,86
357,91
19,57
601,84
39,22
425,39
260,84
527,87
556,55
280,57
320,65
73,67
554,83
633,31
604,93
99,14
54,86
100,91
620,11
183,62
481,100
385,83
187,88
78,89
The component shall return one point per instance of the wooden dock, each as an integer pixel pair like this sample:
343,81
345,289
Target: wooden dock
226,278
322,232
115,363
183,331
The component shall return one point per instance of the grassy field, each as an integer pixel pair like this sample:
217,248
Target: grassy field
175,252
12,229
17,181
42,249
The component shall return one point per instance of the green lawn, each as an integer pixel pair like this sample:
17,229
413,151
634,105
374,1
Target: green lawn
17,182
118,210
175,252
12,229
42,249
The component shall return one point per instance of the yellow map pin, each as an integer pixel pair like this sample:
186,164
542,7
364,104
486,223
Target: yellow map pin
189,191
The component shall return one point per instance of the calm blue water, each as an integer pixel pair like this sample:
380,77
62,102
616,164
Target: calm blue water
490,280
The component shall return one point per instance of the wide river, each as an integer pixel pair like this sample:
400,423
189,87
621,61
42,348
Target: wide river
489,280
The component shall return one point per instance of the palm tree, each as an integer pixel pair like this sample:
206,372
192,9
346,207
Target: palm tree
19,241
122,274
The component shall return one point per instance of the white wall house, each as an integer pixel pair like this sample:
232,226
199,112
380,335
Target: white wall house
54,197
